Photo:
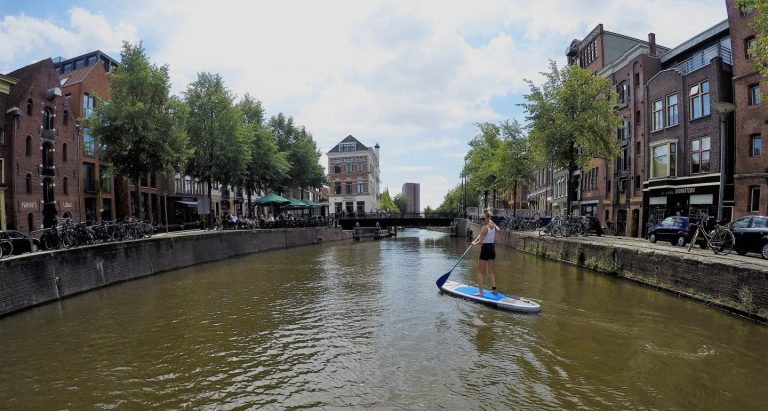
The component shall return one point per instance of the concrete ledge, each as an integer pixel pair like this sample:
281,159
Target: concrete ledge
34,279
737,284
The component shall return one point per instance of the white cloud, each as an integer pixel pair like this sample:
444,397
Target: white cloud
25,39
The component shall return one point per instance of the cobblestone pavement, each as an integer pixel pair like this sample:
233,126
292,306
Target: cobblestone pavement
750,261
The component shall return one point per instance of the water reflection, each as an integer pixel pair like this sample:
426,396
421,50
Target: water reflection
362,325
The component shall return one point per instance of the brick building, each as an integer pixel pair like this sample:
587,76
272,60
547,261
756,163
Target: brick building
39,150
684,129
412,192
751,168
353,174
5,87
102,196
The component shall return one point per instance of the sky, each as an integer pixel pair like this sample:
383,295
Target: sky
413,76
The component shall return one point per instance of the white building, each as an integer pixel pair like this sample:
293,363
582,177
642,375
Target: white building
353,177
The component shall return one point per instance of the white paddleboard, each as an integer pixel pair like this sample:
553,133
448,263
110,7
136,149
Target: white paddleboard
498,300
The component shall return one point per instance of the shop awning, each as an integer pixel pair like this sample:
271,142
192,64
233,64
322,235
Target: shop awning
188,203
661,200
701,199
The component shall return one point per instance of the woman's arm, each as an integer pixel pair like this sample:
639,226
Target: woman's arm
481,236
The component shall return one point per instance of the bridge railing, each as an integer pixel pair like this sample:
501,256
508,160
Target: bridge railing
355,216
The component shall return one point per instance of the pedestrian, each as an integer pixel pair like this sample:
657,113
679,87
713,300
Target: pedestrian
487,237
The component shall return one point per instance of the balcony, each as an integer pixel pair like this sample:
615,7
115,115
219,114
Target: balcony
703,58
48,134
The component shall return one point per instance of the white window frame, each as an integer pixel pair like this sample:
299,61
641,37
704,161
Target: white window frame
669,159
668,111
657,119
697,94
753,94
752,145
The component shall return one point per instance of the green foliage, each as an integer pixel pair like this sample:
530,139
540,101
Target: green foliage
572,117
299,146
221,145
386,203
141,126
401,202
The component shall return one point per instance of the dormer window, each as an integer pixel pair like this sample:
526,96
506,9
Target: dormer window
345,147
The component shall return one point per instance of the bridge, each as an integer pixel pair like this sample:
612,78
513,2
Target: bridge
385,220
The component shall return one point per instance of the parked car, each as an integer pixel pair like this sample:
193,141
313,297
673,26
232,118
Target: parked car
20,242
751,233
678,230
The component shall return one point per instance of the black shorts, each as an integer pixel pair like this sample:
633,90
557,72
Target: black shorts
488,251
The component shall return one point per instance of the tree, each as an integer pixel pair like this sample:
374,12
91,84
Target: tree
572,120
386,203
298,144
221,147
141,127
515,163
482,167
401,202
266,167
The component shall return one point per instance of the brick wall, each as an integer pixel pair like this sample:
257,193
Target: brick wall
47,276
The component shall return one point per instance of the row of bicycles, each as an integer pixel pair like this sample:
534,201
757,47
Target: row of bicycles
570,226
68,233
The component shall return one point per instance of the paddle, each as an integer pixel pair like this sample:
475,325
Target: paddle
443,278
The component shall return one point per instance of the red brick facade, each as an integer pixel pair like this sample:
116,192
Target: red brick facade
751,169
39,151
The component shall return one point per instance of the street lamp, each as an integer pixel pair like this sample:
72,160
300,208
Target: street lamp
722,108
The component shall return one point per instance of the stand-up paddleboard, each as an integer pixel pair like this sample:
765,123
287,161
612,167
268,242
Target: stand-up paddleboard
498,300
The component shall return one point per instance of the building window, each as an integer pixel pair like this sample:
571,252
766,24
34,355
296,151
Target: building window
28,150
361,167
754,95
2,171
700,155
361,207
755,147
106,186
754,198
346,147
349,187
89,144
47,119
337,187
65,184
88,104
28,183
658,115
637,79
750,45
637,117
664,160
89,178
29,107
360,187
672,110
2,136
349,167
66,117
623,90
637,183
637,148
699,95
64,152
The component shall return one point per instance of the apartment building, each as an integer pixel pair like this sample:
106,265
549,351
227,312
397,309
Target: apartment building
39,150
353,176
687,151
103,196
5,88
751,165
412,192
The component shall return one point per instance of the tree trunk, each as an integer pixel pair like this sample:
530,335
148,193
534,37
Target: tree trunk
514,200
250,210
210,203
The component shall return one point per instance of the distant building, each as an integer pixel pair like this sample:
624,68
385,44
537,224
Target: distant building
353,176
412,192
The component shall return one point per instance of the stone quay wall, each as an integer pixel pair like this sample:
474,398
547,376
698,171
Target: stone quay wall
35,279
738,284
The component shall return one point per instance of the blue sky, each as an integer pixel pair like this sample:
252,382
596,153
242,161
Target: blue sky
414,76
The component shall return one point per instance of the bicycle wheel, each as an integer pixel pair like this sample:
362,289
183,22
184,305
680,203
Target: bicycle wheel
693,239
722,241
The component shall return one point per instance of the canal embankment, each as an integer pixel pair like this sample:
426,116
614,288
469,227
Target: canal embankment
738,284
33,279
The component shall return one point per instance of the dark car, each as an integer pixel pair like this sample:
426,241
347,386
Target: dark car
19,242
678,230
751,233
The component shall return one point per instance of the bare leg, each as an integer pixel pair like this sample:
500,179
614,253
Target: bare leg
491,278
482,265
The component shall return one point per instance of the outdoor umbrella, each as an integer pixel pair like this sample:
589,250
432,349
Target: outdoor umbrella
295,204
310,203
272,199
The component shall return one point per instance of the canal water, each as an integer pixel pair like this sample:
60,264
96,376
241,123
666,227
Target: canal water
362,325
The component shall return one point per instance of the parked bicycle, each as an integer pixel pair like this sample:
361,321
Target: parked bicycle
720,239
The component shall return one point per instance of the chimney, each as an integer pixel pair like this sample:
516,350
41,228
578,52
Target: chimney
652,44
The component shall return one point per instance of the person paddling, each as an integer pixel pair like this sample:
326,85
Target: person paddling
487,237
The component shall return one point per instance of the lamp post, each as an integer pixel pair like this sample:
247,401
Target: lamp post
722,108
